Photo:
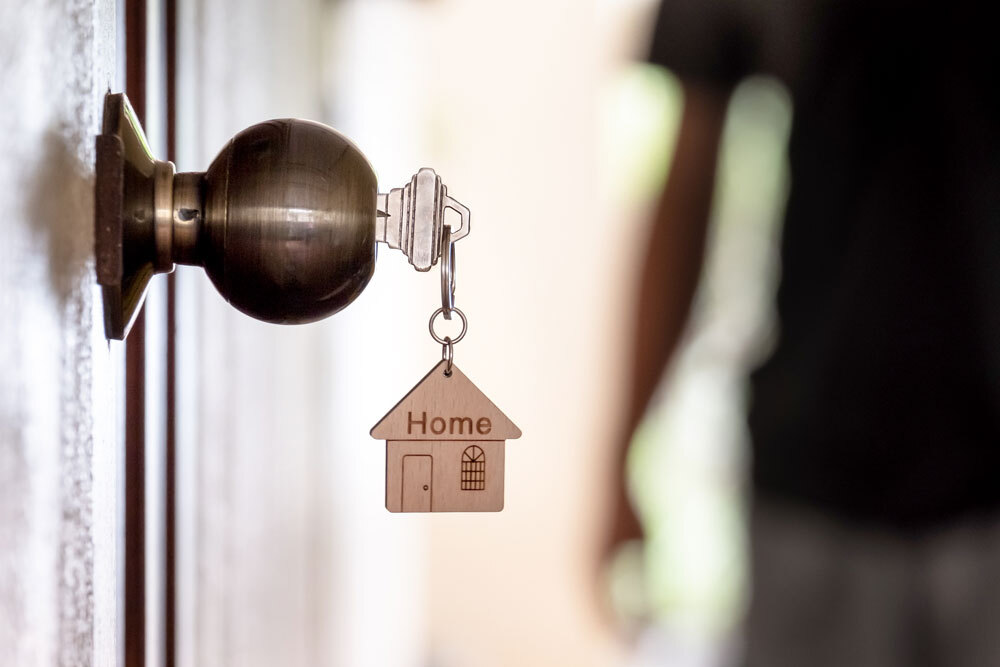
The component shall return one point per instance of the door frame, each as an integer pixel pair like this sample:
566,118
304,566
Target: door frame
148,509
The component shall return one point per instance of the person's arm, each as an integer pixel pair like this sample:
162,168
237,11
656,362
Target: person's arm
669,276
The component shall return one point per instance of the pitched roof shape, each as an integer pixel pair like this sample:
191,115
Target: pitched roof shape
448,398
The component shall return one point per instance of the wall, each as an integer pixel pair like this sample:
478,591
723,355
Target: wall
58,405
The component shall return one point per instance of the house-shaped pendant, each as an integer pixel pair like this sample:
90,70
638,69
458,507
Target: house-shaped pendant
444,449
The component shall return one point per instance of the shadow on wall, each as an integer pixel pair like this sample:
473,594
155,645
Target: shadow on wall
60,207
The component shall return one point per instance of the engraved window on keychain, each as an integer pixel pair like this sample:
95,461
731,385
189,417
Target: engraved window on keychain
473,469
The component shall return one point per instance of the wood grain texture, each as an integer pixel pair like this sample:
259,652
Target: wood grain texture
445,447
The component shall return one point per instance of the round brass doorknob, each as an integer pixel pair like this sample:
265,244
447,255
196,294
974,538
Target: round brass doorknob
284,221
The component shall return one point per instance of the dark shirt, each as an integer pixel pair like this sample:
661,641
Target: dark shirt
881,399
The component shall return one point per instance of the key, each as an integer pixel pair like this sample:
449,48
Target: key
411,218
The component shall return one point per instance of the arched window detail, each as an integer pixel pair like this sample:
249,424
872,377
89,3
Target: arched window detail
473,469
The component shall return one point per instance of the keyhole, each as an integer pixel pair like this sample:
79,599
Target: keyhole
426,487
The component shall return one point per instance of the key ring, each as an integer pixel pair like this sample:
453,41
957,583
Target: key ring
448,274
451,341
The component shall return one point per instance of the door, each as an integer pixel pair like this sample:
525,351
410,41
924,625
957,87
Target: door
418,480
260,568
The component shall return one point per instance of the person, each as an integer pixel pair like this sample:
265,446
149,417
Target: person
875,428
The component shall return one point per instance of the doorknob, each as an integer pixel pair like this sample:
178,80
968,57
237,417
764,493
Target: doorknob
284,221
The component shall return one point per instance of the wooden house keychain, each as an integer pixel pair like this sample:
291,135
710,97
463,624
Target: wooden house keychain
445,439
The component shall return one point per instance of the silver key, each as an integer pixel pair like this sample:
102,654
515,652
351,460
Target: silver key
411,218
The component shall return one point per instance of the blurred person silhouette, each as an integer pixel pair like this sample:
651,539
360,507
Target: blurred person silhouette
875,428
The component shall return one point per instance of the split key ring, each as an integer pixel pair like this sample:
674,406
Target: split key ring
447,273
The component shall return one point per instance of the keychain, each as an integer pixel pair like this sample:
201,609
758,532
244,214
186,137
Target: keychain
444,449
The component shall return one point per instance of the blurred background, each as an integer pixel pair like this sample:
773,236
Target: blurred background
543,119
207,492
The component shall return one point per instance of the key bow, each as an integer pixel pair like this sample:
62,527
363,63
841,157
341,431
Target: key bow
411,218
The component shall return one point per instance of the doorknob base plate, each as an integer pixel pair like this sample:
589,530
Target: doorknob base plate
123,215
